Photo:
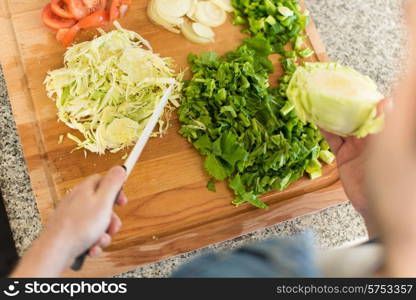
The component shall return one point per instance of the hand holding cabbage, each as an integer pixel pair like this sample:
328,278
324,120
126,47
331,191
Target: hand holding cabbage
337,99
344,104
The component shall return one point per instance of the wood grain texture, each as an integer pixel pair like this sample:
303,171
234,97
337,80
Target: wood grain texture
170,210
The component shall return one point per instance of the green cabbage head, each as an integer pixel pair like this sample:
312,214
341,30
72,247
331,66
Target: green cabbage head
337,99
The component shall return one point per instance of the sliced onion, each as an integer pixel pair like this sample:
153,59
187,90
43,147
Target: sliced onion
206,14
190,34
202,30
173,8
224,4
191,12
158,19
210,14
168,18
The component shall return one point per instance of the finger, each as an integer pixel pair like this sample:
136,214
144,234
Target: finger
115,224
111,185
122,199
335,142
95,251
385,106
104,241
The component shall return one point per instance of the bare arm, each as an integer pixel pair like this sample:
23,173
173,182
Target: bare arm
391,172
83,218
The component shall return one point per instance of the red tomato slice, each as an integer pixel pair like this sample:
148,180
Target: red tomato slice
97,19
67,35
77,8
91,3
59,8
94,5
53,21
123,9
60,35
118,9
114,10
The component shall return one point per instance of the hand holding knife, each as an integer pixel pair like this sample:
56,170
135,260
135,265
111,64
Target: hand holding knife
135,155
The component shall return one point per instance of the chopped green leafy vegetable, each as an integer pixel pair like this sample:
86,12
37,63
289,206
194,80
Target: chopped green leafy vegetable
279,24
244,127
279,21
248,131
211,186
108,89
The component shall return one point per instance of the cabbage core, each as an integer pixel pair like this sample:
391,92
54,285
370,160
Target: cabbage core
338,99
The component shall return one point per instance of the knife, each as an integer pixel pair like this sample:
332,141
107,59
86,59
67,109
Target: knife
135,155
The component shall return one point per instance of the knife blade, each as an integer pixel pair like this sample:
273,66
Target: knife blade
135,155
141,143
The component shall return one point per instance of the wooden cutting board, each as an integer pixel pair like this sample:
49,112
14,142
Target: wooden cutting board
170,210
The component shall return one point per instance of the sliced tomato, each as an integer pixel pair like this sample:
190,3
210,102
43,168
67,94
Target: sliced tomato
118,8
53,21
103,4
67,35
91,3
123,9
60,35
97,19
95,5
114,10
59,8
77,8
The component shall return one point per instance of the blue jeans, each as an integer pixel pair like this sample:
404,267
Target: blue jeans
277,257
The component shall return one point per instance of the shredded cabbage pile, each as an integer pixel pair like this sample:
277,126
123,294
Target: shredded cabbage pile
109,88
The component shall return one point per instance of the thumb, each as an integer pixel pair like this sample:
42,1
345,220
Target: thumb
335,142
385,106
111,184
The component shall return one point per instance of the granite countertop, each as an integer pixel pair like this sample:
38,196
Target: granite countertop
366,35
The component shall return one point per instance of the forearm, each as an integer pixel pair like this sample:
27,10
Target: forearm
49,256
401,261
84,219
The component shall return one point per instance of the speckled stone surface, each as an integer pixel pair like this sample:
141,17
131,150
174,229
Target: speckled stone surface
365,34
14,179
